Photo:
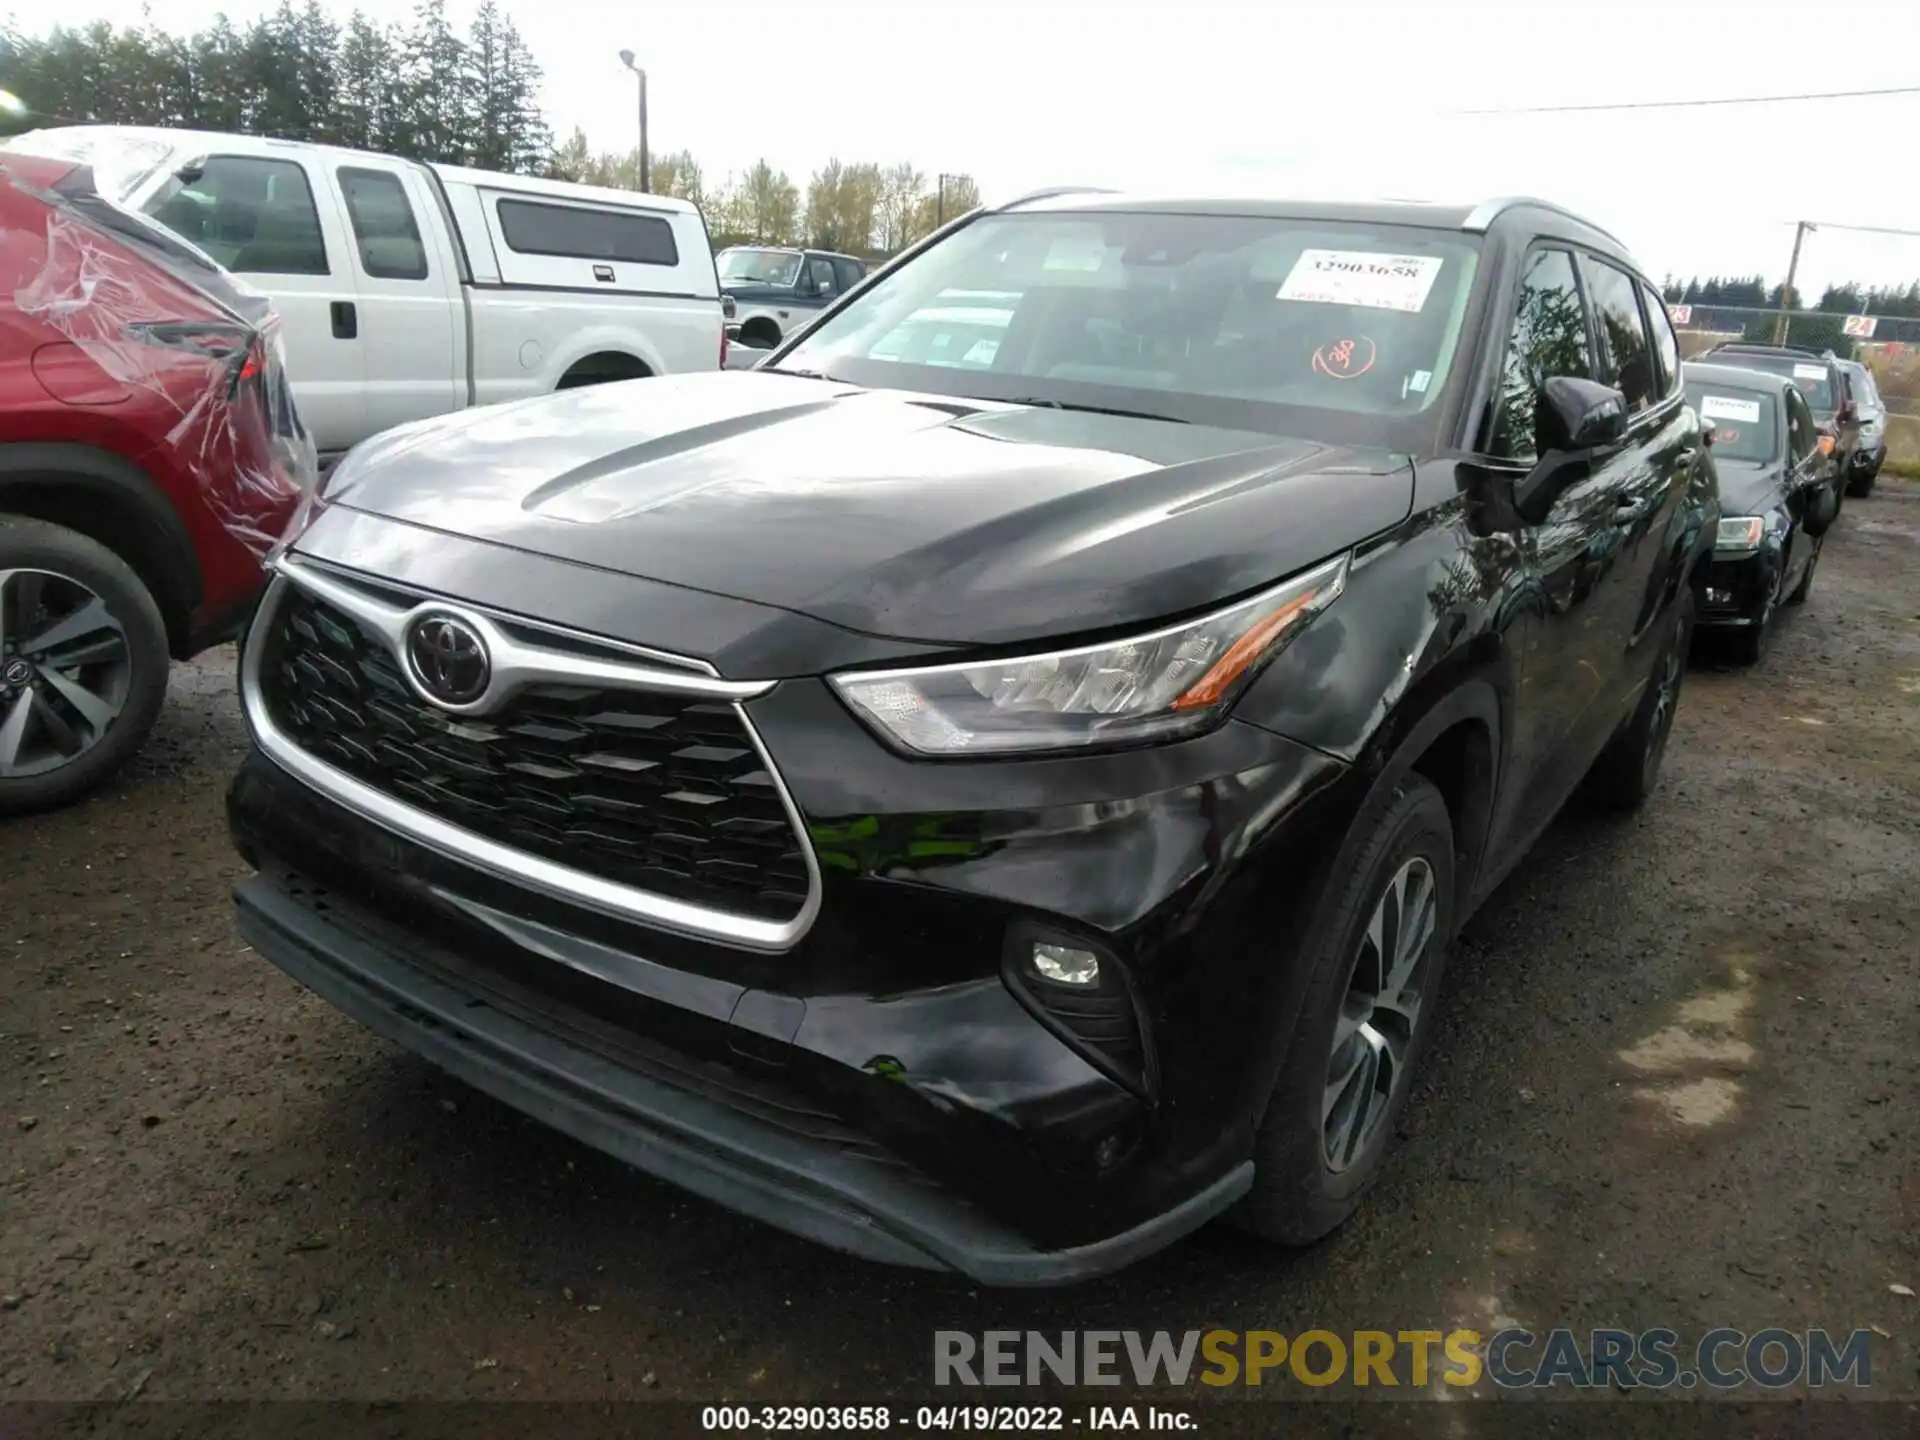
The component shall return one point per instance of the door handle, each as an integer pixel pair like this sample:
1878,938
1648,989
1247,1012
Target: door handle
346,320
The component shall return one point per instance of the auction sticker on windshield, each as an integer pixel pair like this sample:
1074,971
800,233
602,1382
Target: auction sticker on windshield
1359,277
1725,407
1809,372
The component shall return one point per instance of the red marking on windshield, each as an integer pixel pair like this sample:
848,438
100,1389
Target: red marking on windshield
1346,359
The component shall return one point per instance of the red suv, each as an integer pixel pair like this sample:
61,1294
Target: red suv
150,456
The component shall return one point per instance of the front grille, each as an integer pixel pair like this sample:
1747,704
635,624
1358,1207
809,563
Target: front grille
660,792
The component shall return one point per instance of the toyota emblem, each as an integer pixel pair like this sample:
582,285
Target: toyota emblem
448,659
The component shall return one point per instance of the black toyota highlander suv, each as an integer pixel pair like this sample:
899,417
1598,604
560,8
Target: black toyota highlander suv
993,787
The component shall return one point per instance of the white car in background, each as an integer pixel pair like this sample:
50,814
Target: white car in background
406,289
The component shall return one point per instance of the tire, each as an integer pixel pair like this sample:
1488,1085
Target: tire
1629,768
1304,1184
53,753
1805,587
1748,645
1862,485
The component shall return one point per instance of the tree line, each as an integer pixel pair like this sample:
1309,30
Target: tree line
420,89
1890,301
426,91
854,206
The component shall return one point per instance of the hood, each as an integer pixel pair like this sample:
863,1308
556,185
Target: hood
1750,487
888,513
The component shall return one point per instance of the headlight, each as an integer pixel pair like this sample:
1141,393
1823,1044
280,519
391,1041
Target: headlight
1171,682
1742,532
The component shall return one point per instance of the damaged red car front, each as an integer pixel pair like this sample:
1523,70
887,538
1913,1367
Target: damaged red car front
150,456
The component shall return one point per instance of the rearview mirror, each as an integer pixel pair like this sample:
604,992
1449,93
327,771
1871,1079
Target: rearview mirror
1575,414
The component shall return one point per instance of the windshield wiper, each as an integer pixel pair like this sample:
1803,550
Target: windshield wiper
1049,404
800,374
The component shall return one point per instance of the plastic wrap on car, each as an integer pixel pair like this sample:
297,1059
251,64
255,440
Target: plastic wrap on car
105,293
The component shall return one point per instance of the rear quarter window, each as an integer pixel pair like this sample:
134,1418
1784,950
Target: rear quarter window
535,228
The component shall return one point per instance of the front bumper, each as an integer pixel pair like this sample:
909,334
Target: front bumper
799,1173
1871,454
1737,588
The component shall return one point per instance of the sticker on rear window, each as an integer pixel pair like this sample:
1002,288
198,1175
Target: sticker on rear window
1725,407
1359,277
1809,372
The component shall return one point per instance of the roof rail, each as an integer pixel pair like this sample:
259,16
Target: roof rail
1487,211
1052,190
1736,346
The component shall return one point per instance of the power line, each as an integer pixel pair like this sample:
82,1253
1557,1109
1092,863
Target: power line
1686,104
1868,229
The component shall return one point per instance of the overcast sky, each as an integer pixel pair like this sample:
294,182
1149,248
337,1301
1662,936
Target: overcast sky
1256,96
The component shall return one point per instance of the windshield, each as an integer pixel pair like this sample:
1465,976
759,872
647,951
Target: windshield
1745,426
1812,378
759,267
1319,328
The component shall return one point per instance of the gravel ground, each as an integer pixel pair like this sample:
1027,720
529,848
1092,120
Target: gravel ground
1673,1085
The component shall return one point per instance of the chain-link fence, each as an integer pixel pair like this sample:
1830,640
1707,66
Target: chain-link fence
1815,329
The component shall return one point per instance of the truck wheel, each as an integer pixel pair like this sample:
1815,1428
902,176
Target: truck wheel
1376,959
83,664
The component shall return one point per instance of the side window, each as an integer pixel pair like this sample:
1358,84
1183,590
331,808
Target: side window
820,272
1549,337
1629,358
851,273
383,226
1666,345
535,228
1802,435
255,216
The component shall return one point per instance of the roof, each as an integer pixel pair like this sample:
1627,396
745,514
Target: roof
1734,375
1756,347
1475,217
201,141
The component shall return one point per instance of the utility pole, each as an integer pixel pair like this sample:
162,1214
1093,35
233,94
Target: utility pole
940,203
1800,230
646,164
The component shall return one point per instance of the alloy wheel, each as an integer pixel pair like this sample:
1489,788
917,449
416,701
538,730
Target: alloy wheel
65,671
1373,1036
1666,700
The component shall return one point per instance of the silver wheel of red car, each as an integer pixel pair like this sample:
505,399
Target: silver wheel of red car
83,664
64,671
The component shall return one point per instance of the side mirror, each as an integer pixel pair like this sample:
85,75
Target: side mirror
1849,412
1823,508
1706,434
1574,414
1573,420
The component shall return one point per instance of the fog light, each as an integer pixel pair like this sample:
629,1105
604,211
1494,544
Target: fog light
1065,965
1719,597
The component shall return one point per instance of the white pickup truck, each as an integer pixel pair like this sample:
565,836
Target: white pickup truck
407,289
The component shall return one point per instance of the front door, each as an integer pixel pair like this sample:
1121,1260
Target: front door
263,218
1571,624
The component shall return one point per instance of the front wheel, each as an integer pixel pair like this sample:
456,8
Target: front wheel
1862,484
1749,645
1629,768
1376,957
83,664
